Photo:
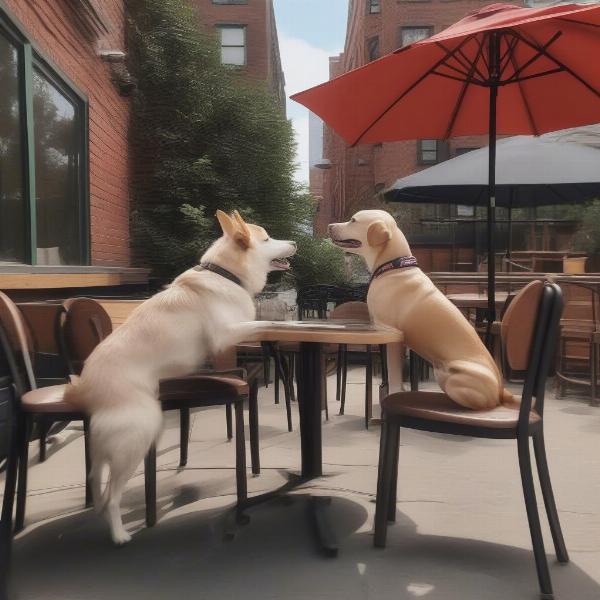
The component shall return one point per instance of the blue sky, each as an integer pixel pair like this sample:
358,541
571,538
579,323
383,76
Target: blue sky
309,32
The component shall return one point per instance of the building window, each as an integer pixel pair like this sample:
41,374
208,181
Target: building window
43,190
233,44
372,48
230,1
427,152
410,35
374,6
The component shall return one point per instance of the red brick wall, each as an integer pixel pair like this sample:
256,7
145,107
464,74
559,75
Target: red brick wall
262,55
51,27
387,162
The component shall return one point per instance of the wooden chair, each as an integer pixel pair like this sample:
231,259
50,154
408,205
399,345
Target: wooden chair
34,404
84,324
529,332
578,356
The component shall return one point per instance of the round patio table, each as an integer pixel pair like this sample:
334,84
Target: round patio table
311,335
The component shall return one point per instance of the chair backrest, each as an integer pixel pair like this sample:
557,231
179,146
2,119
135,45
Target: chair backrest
355,311
581,305
84,325
19,345
529,330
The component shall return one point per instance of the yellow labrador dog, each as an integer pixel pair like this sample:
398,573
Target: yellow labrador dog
402,296
169,335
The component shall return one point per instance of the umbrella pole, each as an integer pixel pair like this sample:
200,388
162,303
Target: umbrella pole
494,70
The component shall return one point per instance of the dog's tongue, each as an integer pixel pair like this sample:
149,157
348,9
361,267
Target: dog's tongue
280,263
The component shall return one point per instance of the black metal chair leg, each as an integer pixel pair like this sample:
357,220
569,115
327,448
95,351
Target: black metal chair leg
534,519
369,388
184,435
287,391
240,453
150,486
395,443
229,419
6,521
276,382
266,368
254,430
292,375
44,426
25,427
344,379
544,474
386,461
88,463
384,369
338,373
413,367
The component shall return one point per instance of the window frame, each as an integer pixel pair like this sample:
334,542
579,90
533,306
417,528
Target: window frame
420,150
244,28
230,2
371,4
404,28
373,39
31,57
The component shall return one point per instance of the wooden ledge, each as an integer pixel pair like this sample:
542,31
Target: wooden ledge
35,278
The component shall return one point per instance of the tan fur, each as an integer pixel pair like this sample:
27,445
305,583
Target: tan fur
433,327
169,335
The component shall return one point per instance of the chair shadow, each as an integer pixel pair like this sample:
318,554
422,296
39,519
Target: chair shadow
274,557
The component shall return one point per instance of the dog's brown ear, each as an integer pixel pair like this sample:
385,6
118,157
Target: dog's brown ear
378,234
242,235
227,224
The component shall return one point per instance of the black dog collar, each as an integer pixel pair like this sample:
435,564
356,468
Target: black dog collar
402,262
219,271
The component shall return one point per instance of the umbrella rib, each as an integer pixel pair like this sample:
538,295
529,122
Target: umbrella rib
524,97
577,22
410,89
534,58
508,55
559,63
463,92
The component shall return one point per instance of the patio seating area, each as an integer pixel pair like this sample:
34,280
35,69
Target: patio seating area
461,529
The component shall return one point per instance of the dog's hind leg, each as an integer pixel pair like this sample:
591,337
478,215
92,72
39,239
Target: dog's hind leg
121,470
471,385
95,478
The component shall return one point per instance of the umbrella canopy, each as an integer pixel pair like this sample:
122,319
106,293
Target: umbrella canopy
530,171
547,79
501,70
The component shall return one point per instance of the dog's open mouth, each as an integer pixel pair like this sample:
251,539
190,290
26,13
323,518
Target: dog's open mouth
347,243
281,264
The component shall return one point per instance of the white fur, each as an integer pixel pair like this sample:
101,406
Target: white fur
169,335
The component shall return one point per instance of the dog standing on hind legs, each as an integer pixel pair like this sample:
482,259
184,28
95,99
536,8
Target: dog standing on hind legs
169,335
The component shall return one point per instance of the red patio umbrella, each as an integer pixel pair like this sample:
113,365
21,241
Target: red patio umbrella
500,70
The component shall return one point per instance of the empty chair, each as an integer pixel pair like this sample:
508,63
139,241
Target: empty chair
529,330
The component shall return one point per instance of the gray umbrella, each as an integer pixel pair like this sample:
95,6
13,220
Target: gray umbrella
530,171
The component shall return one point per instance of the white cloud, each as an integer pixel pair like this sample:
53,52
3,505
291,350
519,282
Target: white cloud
304,66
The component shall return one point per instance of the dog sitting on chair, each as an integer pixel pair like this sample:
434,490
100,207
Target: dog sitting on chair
402,296
169,335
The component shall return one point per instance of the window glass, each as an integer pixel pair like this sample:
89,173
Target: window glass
373,48
410,35
12,198
57,158
233,45
374,6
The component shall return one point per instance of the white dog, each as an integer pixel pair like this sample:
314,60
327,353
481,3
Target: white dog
169,335
402,296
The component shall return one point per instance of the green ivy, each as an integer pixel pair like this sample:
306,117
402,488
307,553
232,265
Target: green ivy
202,139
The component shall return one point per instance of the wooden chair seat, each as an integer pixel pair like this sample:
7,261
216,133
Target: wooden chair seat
439,407
200,388
48,400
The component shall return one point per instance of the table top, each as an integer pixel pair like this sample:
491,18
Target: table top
325,331
475,300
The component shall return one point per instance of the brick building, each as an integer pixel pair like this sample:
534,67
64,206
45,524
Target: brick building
353,177
64,176
247,31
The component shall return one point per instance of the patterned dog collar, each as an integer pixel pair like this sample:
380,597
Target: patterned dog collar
219,271
402,262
